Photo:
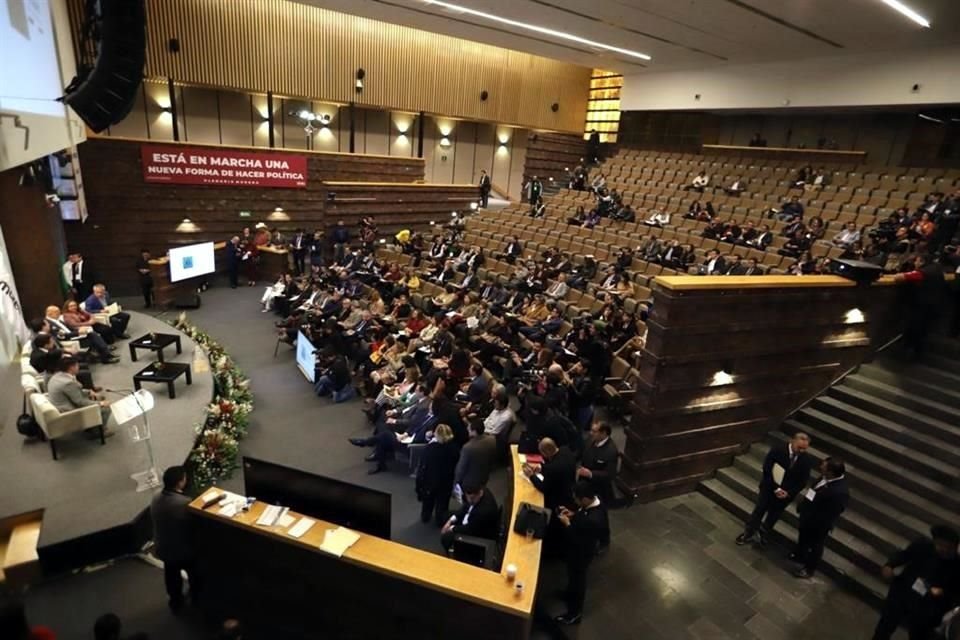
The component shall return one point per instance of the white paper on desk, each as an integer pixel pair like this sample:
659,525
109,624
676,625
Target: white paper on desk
228,510
337,541
778,472
301,527
285,520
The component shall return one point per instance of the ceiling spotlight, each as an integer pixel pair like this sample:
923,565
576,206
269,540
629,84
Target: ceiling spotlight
896,5
562,35
306,115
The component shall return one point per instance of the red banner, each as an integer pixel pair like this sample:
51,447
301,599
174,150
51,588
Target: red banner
222,167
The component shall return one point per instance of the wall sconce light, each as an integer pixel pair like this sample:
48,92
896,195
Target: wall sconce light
444,141
854,316
278,214
502,148
402,139
432,223
473,206
721,377
187,226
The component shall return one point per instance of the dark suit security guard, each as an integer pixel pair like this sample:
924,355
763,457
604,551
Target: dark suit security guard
927,587
820,508
795,464
583,529
171,535
485,187
598,464
146,280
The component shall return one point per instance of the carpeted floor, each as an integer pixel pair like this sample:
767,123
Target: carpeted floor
672,572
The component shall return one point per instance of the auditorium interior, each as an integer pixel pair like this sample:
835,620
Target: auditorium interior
479,319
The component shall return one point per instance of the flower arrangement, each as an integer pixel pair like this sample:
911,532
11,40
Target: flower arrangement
215,453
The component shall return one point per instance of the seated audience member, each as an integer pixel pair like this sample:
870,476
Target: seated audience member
734,266
578,218
657,219
820,179
803,175
731,233
693,211
82,322
435,473
763,238
598,184
334,377
699,182
751,268
848,237
790,211
558,290
512,251
747,233
414,426
795,245
715,229
272,291
538,209
109,627
60,330
98,301
502,416
738,186
804,265
478,517
592,219
816,229
66,394
625,214
713,264
923,228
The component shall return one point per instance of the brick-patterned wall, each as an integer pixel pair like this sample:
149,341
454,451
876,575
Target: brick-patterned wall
127,214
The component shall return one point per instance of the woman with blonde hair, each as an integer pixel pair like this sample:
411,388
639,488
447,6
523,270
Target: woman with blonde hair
376,306
438,462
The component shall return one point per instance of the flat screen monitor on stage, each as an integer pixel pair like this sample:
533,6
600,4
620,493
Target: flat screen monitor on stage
191,261
306,361
332,500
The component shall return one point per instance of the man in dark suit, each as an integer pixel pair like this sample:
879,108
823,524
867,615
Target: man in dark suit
598,464
927,587
820,508
713,264
584,530
82,276
477,457
484,188
395,432
298,247
786,470
556,476
479,517
146,280
234,257
172,536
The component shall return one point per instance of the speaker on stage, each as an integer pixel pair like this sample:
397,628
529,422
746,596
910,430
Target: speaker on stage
857,270
103,95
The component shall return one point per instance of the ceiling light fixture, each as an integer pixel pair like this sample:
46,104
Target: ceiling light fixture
896,5
563,35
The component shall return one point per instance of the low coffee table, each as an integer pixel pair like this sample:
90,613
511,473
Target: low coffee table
166,372
155,342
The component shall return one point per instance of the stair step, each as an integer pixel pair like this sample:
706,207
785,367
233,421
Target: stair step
833,564
868,443
21,564
942,360
894,490
923,371
861,524
876,405
860,552
941,346
936,448
901,379
904,398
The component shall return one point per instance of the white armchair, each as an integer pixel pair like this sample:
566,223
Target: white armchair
56,424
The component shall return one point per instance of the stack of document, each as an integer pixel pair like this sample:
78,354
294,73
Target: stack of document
337,541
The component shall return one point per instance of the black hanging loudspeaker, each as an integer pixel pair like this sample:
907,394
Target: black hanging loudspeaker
104,94
555,107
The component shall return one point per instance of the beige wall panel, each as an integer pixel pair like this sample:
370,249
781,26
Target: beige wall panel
159,121
377,139
135,124
199,109
261,127
518,151
483,155
298,50
237,118
463,171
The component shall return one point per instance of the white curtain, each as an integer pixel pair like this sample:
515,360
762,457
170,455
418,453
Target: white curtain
13,330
